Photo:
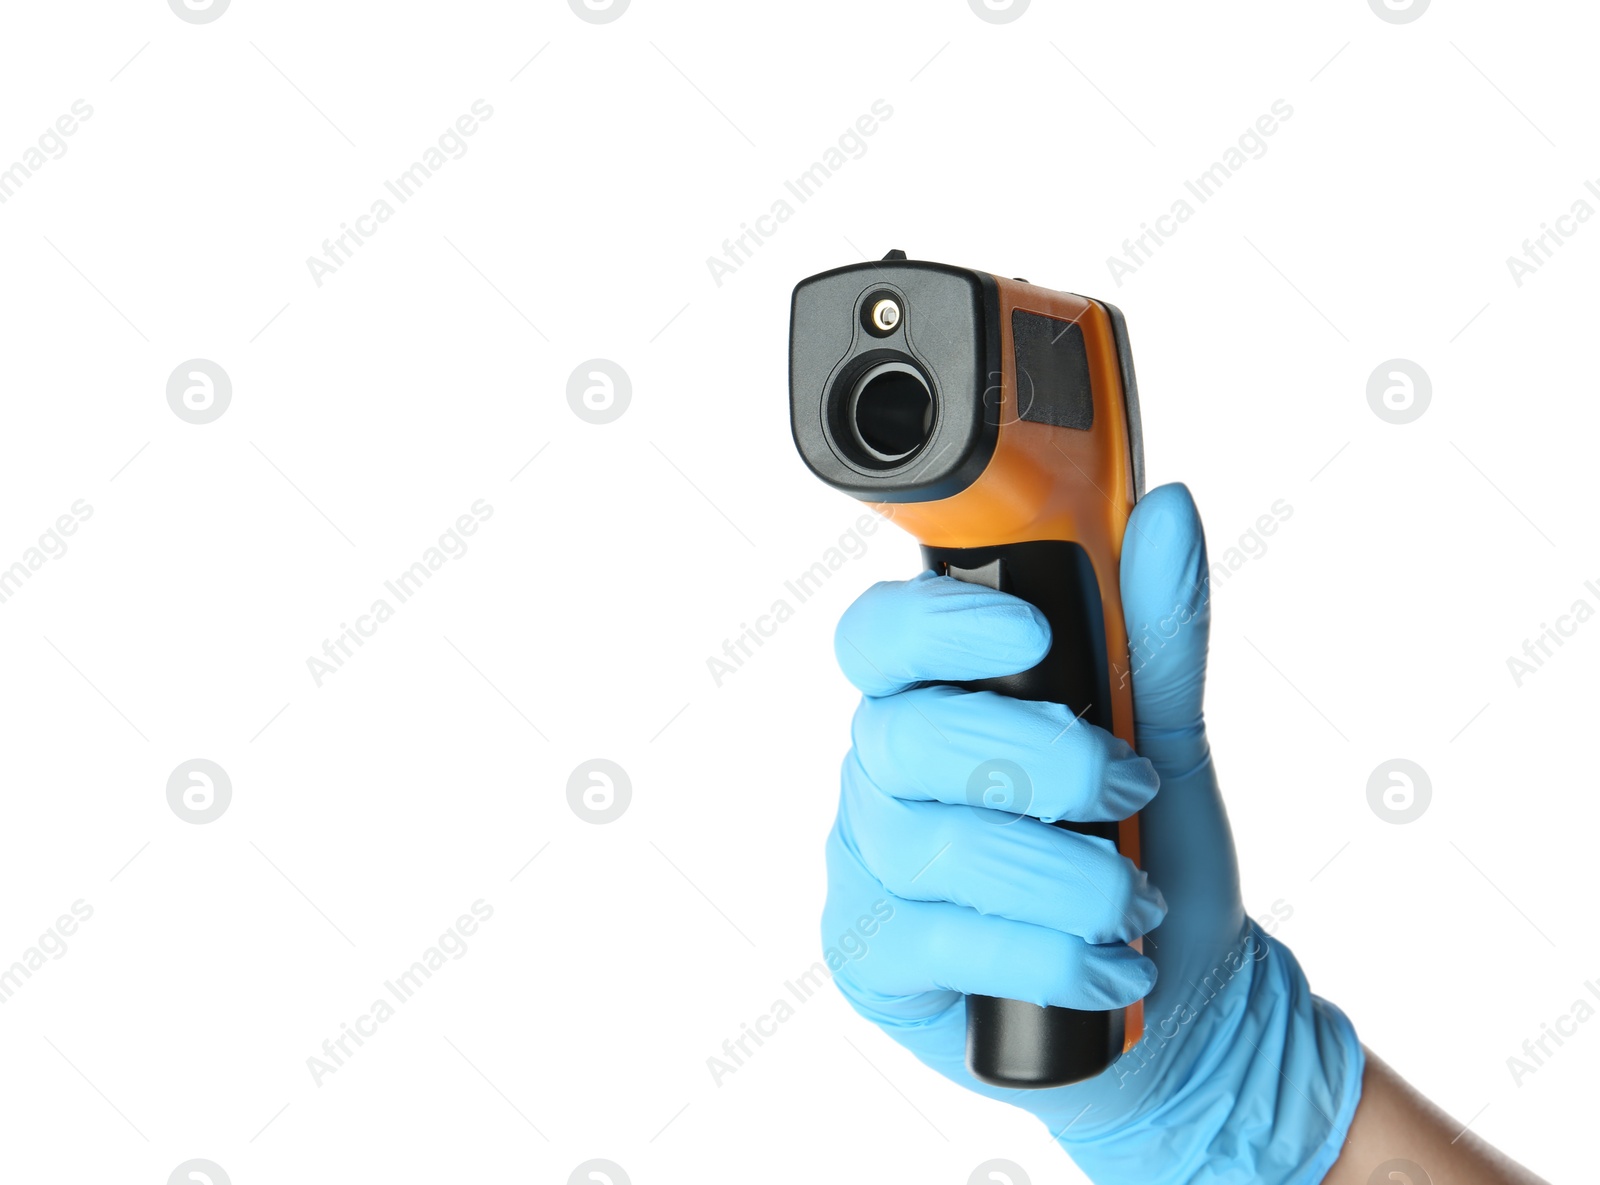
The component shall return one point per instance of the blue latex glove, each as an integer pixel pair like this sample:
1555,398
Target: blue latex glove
1243,1074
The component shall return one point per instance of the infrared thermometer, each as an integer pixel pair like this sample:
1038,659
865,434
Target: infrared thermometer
998,423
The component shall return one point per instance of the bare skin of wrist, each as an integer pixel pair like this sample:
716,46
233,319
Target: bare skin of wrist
1395,1123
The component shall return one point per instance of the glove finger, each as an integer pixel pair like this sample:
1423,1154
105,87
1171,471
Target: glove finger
900,633
999,864
1184,834
857,909
985,749
919,950
1166,601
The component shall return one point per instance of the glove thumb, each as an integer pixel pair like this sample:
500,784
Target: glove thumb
1166,603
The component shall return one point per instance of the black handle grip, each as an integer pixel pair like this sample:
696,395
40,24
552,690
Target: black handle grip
1010,1042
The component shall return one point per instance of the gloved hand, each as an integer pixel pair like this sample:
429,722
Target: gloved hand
1243,1074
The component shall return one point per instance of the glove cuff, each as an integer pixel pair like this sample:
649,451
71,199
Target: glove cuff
1340,1034
1262,1088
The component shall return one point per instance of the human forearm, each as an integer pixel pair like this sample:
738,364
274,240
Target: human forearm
1399,1130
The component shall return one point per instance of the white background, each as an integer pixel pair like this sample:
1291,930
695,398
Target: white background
369,412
